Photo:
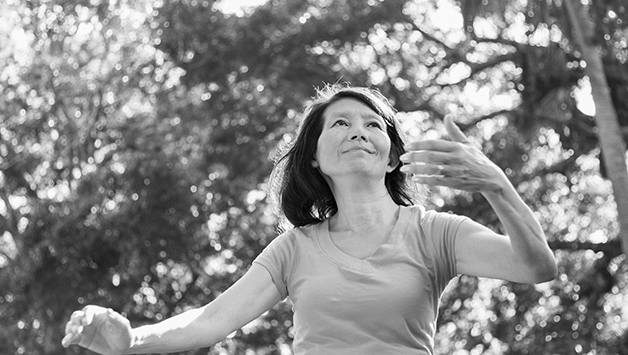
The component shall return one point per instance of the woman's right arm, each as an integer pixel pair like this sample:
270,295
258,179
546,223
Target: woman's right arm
107,332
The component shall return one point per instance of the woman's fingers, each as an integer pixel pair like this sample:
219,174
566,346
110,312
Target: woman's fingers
438,145
454,131
457,163
74,328
90,312
70,339
427,156
459,183
77,323
67,340
117,317
73,334
427,169
429,162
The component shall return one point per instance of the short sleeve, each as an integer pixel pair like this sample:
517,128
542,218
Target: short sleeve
277,259
441,230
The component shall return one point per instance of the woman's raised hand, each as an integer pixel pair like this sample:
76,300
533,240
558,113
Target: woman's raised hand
457,163
98,329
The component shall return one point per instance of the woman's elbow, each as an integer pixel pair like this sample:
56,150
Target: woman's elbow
545,271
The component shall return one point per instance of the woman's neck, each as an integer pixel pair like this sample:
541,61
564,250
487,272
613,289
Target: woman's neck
363,209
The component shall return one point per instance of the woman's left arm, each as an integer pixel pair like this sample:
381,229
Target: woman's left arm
523,255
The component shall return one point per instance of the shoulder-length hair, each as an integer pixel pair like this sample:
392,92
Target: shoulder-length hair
301,193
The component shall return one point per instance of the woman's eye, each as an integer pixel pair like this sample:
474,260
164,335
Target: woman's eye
340,122
375,124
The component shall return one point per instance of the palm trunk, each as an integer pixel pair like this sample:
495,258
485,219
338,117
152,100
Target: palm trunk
609,131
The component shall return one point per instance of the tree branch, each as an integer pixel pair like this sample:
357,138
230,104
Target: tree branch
478,67
611,248
498,40
473,122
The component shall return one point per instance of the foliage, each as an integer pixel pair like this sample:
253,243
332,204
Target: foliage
136,136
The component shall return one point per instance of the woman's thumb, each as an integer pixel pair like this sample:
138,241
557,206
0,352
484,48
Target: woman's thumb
453,131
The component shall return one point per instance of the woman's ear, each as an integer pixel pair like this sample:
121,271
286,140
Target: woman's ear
393,162
315,163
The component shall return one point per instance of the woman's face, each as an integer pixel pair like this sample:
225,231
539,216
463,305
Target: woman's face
353,141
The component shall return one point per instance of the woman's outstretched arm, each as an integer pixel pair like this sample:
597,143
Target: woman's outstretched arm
107,332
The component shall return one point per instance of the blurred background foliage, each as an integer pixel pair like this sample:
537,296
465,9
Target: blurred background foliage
136,137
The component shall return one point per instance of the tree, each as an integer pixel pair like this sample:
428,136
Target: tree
609,132
602,279
136,138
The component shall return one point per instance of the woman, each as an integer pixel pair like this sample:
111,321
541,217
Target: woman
364,268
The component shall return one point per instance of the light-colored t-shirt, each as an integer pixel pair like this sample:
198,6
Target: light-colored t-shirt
384,304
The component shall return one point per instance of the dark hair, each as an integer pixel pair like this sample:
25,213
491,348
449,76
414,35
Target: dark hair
300,191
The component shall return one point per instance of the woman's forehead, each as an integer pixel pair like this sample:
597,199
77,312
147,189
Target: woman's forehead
348,107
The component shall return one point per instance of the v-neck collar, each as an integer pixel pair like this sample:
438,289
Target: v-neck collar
379,257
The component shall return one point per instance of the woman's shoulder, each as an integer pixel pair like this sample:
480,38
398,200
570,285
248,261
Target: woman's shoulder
423,215
297,234
428,224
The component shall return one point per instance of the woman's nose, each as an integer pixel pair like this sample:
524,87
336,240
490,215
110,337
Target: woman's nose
358,137
357,134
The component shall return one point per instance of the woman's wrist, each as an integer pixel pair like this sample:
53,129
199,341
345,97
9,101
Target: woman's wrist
134,341
498,186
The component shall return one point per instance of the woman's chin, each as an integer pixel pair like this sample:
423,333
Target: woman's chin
357,171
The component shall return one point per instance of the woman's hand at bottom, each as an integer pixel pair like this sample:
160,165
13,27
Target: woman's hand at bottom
99,329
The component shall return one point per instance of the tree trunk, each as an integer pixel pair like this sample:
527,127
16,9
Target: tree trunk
609,132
